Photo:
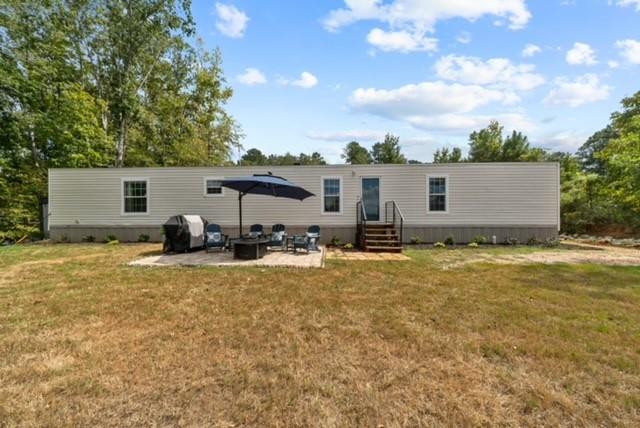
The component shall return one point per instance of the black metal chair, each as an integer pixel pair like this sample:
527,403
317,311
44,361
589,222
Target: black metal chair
278,236
215,238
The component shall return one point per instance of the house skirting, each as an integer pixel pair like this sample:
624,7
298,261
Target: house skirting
345,233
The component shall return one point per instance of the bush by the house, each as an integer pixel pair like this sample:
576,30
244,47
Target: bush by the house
551,242
416,240
511,241
473,245
440,245
110,238
449,240
88,238
335,241
143,238
348,246
480,240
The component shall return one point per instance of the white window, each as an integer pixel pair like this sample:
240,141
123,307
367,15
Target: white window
135,196
331,195
438,197
213,186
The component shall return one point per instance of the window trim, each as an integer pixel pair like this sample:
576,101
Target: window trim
341,195
215,195
447,193
122,197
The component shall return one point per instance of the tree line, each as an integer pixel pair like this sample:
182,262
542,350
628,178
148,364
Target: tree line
97,83
387,151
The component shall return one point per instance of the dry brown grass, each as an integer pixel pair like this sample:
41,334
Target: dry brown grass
86,340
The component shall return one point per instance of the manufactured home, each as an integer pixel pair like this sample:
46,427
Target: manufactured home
428,201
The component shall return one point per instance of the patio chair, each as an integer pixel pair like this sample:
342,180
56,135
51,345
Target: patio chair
215,238
278,237
256,231
308,241
313,236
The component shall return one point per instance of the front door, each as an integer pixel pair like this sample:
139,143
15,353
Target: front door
371,198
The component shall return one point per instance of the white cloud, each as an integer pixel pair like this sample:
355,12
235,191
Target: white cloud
498,72
630,50
464,38
565,141
231,22
306,80
401,41
361,135
531,50
424,14
625,3
466,123
430,98
581,54
431,105
252,77
574,93
613,64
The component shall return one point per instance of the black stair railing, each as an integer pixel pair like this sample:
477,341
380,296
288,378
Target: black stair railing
361,220
393,215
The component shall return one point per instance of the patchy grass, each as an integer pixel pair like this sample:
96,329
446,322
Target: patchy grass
86,340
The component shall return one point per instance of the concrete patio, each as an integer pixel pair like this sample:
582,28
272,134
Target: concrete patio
299,259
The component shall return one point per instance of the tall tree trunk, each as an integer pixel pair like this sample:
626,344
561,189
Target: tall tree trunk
121,147
34,147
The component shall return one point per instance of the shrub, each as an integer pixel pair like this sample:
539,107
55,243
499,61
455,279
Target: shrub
415,240
88,238
533,241
64,238
449,240
473,244
143,238
348,246
440,245
511,241
111,238
551,242
335,241
480,240
114,242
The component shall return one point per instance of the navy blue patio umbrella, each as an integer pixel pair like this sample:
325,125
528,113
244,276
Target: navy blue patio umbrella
264,184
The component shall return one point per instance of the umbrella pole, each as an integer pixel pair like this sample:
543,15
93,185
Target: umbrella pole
240,195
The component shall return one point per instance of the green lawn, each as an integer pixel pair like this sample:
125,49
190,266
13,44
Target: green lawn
86,340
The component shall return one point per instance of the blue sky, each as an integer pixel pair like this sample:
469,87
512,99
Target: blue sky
313,75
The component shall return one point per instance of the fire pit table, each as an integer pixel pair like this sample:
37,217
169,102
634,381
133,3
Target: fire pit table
249,248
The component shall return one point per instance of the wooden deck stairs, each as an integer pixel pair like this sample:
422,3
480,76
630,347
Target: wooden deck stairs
382,238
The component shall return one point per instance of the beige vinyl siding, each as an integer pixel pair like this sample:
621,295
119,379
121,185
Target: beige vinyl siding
479,194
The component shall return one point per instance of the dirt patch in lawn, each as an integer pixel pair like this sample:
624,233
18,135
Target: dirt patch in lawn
571,252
